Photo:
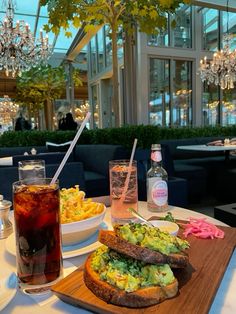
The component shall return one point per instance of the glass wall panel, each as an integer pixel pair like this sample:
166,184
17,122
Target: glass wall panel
101,54
95,104
93,53
108,46
229,26
159,95
218,105
181,34
229,107
170,96
210,21
216,100
210,108
161,39
120,47
182,93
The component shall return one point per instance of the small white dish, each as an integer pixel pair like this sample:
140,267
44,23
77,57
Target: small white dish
8,288
87,246
166,226
91,244
79,231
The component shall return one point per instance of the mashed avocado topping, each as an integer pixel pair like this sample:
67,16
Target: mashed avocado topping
151,237
129,274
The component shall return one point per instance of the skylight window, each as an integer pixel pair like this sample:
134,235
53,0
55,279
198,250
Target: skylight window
27,10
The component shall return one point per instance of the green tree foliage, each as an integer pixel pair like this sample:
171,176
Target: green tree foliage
148,15
39,87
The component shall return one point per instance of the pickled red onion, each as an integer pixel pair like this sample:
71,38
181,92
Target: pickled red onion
202,229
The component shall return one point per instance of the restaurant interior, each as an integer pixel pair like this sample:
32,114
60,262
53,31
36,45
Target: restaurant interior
117,156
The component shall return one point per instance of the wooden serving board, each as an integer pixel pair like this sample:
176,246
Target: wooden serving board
198,283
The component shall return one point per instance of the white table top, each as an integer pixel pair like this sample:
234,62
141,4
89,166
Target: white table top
225,302
6,161
208,148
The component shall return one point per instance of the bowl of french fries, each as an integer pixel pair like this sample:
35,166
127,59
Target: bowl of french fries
80,216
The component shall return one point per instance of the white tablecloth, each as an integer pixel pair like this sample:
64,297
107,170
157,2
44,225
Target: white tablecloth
208,148
225,302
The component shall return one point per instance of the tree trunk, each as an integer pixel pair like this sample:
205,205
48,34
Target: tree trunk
48,110
41,119
70,88
115,81
129,78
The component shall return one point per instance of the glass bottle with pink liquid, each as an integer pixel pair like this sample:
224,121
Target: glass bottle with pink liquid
157,189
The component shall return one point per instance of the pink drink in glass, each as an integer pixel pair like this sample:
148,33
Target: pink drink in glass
119,205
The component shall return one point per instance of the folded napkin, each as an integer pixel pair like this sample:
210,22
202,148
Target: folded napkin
215,143
233,141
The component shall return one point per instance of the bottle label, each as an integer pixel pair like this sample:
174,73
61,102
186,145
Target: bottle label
156,156
159,193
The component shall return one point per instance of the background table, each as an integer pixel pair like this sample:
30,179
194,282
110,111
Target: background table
225,301
210,148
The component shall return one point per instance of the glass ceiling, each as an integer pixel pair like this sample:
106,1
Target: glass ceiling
216,3
36,17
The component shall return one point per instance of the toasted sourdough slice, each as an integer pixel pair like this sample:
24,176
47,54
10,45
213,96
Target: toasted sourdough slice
140,298
113,241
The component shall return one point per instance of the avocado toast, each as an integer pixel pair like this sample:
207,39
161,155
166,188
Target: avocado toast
124,281
147,244
133,268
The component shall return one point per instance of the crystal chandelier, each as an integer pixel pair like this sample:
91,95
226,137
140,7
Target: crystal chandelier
8,110
221,70
18,49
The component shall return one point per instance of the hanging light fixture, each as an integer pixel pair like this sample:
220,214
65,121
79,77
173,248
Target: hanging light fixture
222,69
18,49
8,110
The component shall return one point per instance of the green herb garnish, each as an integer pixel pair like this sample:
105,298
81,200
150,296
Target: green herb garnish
168,217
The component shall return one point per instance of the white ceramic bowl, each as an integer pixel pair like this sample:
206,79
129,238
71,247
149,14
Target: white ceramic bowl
167,226
78,231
